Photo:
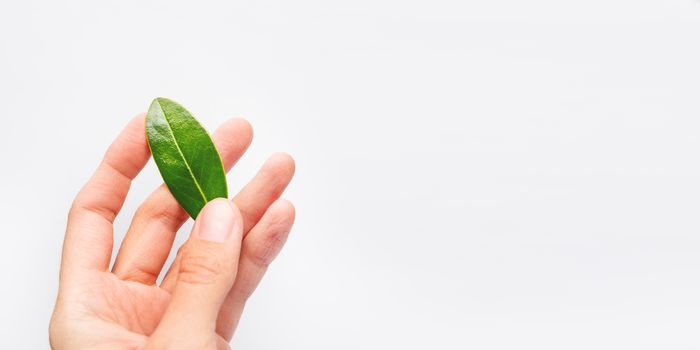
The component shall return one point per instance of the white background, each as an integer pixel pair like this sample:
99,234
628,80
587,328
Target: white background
470,174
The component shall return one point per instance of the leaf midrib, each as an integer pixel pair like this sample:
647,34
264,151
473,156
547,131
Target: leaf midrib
182,155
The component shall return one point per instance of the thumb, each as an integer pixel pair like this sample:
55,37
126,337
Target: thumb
206,273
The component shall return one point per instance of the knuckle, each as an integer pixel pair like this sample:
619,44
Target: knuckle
140,275
269,247
200,267
79,204
73,209
85,203
169,214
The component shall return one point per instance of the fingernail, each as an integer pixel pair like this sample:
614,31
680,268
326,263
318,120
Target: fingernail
217,221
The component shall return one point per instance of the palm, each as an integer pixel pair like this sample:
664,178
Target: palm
122,314
128,305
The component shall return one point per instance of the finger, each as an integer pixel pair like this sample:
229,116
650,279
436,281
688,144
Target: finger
260,247
254,199
265,188
89,238
204,279
150,237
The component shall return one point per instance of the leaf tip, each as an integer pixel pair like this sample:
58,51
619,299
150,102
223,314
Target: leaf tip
163,100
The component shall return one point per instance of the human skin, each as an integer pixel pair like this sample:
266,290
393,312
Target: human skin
201,298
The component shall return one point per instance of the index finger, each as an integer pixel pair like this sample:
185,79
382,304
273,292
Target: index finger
89,235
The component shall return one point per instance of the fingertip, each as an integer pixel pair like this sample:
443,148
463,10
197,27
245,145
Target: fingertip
216,222
216,204
241,126
283,157
282,164
232,139
285,208
135,131
279,217
139,117
138,124
244,124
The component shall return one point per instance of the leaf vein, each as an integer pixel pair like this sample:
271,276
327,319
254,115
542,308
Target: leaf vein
187,164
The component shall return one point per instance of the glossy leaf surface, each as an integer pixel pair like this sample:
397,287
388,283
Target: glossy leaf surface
185,155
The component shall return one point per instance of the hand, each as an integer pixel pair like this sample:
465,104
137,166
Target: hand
201,298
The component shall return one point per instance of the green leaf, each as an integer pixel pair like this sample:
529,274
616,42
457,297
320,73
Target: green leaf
185,154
